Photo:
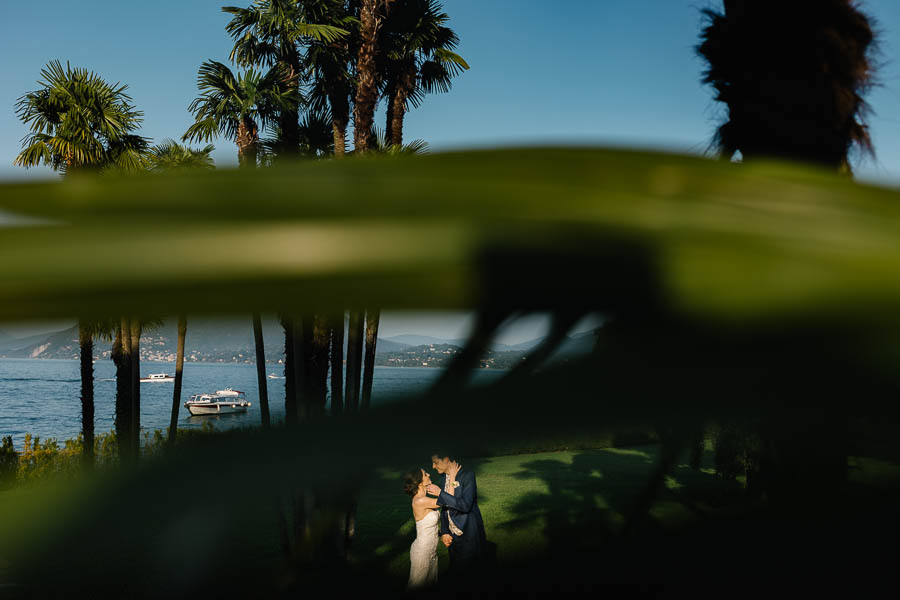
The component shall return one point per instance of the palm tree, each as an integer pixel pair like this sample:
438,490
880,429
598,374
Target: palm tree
328,64
236,107
86,353
371,19
354,360
134,353
88,329
179,371
121,357
337,364
315,135
172,156
379,143
792,77
261,370
290,384
418,57
267,33
78,121
373,318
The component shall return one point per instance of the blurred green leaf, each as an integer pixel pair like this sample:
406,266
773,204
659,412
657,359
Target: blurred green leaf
717,240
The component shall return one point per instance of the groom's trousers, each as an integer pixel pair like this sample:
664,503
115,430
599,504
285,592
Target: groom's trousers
466,554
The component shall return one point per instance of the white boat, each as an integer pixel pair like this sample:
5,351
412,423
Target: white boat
274,376
158,378
222,402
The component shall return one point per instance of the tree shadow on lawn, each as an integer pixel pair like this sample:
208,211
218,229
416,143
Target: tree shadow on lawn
587,501
575,525
567,504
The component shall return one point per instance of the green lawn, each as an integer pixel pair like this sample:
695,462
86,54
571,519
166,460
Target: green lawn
534,506
539,504
532,502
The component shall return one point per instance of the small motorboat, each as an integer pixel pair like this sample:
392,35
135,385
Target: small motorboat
222,402
158,378
274,376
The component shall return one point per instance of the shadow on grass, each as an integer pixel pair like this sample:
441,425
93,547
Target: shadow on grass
587,501
544,505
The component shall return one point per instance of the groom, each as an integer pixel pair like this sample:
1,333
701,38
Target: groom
462,529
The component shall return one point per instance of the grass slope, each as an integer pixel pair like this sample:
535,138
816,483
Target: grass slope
533,503
538,508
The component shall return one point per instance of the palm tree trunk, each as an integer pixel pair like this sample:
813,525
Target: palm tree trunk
340,114
390,93
86,347
397,113
373,318
300,376
397,105
135,388
354,360
367,80
340,137
248,143
290,382
179,370
261,370
121,355
315,330
337,365
289,118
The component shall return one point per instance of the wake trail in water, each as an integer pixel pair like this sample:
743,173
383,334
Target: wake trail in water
39,379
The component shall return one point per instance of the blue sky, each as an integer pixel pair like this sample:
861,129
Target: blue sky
603,72
611,72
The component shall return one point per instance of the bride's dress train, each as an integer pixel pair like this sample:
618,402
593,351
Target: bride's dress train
423,560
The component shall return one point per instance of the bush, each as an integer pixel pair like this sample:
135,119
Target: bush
9,463
40,460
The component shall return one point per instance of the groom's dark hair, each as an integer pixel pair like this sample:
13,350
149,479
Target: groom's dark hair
443,454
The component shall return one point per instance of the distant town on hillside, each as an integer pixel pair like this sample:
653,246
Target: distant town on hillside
231,341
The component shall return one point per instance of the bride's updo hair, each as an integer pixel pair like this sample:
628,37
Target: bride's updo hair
411,481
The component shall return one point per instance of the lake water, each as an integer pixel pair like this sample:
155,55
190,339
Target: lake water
43,397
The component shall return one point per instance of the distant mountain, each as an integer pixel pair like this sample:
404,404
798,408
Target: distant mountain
389,345
415,340
36,338
521,346
231,340
6,340
579,343
59,344
210,340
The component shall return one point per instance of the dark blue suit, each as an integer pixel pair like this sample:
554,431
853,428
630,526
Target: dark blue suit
467,550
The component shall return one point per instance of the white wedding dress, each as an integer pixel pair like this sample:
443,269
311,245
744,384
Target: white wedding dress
423,560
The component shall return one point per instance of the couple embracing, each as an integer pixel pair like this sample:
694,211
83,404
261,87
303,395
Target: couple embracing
447,513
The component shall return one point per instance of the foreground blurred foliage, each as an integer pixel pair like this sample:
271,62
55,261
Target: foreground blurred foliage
714,239
750,311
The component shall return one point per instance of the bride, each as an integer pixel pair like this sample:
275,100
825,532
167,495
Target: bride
423,567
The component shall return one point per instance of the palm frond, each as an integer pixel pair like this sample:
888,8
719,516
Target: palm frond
169,155
321,33
81,118
207,129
